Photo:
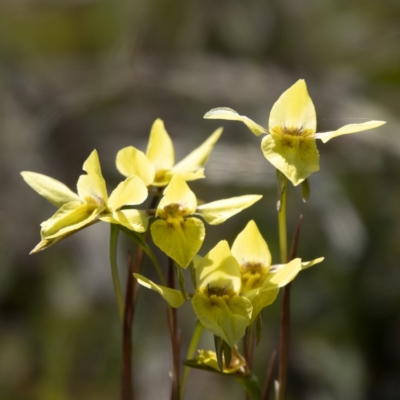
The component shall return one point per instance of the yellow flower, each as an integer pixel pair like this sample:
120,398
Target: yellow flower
290,142
156,167
207,360
217,302
90,205
178,231
260,282
233,286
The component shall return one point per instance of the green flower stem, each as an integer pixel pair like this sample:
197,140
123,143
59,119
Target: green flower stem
114,269
285,312
190,354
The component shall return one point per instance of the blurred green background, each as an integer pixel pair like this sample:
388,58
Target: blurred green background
82,74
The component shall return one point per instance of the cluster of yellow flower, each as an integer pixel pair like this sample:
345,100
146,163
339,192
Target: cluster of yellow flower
232,285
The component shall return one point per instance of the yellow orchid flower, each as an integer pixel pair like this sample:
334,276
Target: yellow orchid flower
156,167
217,301
90,205
290,141
207,360
177,231
233,286
261,281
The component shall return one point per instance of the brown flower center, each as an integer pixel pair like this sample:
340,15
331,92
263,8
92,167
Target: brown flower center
253,275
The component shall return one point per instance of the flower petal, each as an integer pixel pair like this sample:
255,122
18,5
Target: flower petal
135,220
198,157
308,264
178,192
131,161
284,275
186,175
70,218
172,296
130,192
207,360
92,186
160,149
294,110
219,211
295,156
250,247
260,298
45,243
226,319
351,128
52,190
229,114
219,269
180,242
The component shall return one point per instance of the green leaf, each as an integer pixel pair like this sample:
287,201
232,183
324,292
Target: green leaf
227,351
218,342
223,352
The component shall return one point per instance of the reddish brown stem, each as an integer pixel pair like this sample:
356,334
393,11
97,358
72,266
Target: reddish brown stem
175,337
284,341
269,378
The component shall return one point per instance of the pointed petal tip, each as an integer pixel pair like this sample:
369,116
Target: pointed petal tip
217,133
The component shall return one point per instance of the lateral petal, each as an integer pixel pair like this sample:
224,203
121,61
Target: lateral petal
250,247
130,192
178,192
172,296
52,190
131,161
219,211
229,114
296,157
92,186
347,129
180,242
160,149
70,218
294,110
198,157
45,243
189,175
219,269
135,220
226,319
260,298
308,264
283,275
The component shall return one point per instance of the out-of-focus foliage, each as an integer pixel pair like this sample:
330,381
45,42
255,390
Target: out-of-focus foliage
82,74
